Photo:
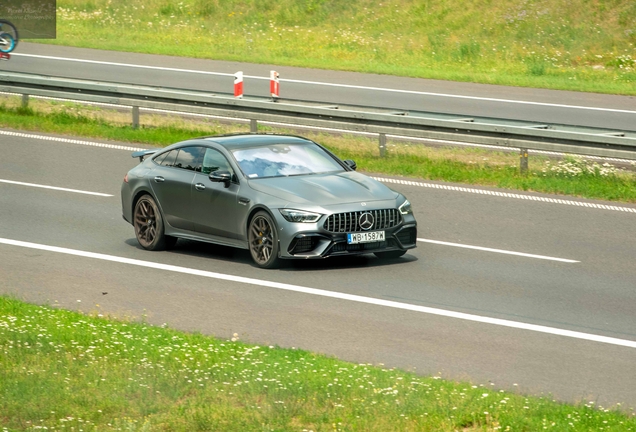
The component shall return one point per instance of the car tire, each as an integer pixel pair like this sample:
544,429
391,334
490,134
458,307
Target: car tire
263,241
390,254
149,227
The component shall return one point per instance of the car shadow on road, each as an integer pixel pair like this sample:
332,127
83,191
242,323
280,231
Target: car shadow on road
241,256
204,250
344,262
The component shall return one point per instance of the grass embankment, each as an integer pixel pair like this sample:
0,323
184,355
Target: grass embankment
62,370
475,166
560,44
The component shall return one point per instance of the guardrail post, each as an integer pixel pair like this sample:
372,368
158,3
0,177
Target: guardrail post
135,117
25,100
253,125
523,161
382,145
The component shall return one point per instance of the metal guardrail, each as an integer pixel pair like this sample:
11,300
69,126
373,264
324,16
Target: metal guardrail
486,131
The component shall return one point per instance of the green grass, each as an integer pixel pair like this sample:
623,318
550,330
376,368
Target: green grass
66,121
62,370
461,165
560,44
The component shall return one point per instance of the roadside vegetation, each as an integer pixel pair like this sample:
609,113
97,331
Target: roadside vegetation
577,45
62,370
571,175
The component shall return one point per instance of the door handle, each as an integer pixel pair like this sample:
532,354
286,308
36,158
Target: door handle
159,179
243,200
199,186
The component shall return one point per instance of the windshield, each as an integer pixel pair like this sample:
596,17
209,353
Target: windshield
280,160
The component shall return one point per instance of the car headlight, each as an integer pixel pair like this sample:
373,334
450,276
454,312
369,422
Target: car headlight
292,215
405,208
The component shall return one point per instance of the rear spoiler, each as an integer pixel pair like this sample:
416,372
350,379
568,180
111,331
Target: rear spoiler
142,154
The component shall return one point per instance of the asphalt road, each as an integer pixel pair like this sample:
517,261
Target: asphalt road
463,99
533,325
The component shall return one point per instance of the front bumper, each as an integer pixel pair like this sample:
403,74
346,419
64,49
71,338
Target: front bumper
298,241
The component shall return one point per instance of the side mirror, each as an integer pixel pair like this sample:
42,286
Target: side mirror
351,164
224,177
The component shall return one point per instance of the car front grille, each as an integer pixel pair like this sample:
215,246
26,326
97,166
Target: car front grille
350,222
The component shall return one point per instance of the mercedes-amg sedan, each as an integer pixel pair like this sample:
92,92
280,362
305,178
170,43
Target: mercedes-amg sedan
279,196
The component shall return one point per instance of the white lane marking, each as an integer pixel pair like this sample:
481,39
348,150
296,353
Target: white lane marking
131,65
479,98
69,141
507,195
501,251
55,188
330,294
446,95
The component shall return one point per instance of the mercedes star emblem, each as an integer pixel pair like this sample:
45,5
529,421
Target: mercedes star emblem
366,221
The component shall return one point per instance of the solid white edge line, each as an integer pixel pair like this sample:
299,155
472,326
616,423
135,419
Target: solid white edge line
99,62
501,194
501,251
55,188
333,85
330,294
446,95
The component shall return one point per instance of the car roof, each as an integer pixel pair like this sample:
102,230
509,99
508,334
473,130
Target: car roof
234,141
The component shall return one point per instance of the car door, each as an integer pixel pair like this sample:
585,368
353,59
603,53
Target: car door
172,184
217,211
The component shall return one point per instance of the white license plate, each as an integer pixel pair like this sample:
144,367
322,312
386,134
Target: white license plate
365,237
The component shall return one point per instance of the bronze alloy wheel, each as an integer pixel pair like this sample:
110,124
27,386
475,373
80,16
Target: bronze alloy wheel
149,228
263,240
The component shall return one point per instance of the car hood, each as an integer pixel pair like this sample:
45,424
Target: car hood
324,189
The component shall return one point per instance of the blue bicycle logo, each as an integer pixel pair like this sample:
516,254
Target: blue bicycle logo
8,38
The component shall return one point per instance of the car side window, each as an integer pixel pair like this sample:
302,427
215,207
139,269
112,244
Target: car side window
167,159
189,158
213,161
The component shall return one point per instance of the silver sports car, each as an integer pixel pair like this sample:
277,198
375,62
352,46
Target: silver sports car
279,196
